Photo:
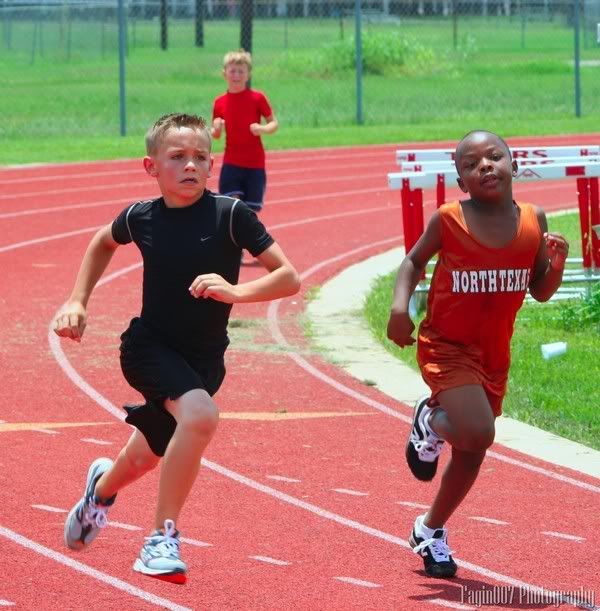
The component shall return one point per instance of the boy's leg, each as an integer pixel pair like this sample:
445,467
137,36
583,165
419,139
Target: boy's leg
231,181
133,461
104,480
197,417
254,188
464,419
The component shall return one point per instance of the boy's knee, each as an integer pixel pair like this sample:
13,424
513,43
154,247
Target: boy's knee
201,417
478,439
141,462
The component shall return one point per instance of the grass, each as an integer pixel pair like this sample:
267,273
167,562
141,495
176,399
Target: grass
63,104
561,395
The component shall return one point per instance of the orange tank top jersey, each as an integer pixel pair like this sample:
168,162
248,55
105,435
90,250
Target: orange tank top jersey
473,300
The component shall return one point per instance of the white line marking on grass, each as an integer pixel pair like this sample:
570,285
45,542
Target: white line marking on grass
447,603
359,582
64,363
282,478
551,533
489,520
50,508
350,492
270,560
412,505
98,442
109,580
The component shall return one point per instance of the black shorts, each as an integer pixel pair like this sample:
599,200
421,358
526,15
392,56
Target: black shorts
159,372
247,184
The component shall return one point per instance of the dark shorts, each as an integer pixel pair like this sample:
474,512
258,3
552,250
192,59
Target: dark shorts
247,184
159,372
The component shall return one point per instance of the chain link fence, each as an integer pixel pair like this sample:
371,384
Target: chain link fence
422,60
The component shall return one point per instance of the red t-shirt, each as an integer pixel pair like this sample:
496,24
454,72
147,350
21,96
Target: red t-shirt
239,110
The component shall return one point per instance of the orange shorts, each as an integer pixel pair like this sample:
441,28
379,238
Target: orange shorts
445,365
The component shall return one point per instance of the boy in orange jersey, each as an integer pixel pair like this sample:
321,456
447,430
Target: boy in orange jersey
173,353
491,250
239,112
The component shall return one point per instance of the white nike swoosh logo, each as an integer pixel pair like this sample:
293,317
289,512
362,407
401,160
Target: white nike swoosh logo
208,237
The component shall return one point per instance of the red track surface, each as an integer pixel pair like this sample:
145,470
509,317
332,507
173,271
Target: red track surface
328,209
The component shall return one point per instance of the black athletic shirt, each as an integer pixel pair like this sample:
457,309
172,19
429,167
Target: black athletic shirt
178,244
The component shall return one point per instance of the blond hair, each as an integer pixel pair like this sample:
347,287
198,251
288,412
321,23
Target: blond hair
157,132
238,57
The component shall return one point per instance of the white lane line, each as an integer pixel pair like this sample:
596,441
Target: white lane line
282,478
350,492
195,542
273,323
50,508
66,366
489,520
109,580
270,560
98,442
358,582
314,219
48,238
6,603
451,605
105,202
551,533
123,526
412,505
45,431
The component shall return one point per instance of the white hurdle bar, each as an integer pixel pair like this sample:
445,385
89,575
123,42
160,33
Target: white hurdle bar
518,153
585,170
430,166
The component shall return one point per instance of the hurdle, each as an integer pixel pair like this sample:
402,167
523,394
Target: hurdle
585,169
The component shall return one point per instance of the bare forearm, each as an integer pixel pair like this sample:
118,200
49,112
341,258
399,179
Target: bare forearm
547,284
269,128
95,261
279,283
407,279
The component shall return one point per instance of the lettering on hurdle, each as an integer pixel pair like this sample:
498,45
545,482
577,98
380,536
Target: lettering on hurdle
581,163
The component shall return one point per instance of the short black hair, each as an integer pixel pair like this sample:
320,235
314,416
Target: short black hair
458,154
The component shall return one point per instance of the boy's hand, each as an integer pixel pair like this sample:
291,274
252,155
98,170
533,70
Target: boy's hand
218,125
256,129
70,321
400,328
213,286
558,249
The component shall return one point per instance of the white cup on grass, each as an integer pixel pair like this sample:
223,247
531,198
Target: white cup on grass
549,351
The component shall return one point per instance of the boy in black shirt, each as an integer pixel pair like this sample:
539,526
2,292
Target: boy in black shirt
190,240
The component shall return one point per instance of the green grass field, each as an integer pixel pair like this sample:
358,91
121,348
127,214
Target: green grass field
60,102
560,395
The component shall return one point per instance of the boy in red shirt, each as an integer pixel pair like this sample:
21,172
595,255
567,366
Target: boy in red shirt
239,112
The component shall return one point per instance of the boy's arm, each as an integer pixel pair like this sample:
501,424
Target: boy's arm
400,326
270,127
70,320
281,281
549,262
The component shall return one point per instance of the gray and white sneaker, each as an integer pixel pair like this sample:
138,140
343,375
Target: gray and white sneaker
424,446
159,557
88,516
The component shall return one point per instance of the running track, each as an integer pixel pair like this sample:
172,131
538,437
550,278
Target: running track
305,501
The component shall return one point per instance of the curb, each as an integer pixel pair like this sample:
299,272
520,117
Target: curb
339,329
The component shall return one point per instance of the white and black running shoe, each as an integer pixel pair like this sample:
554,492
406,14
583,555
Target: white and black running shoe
159,557
424,446
434,550
89,515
